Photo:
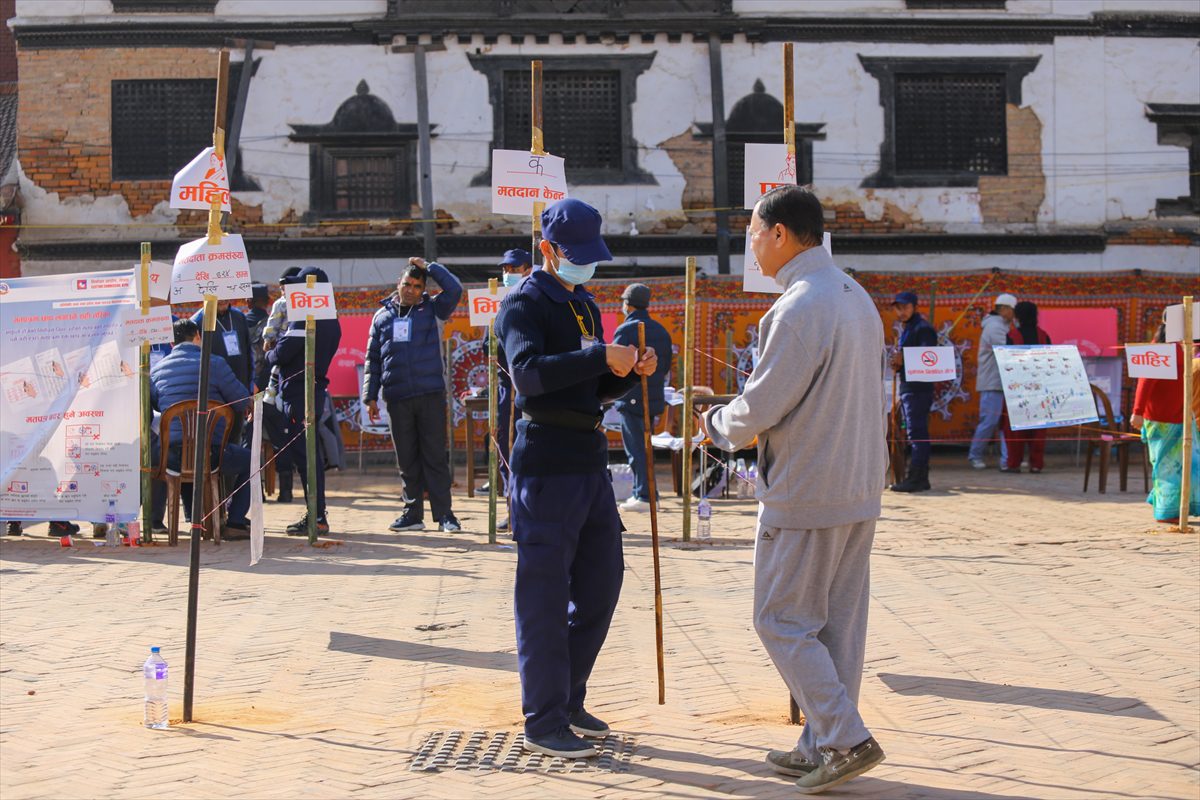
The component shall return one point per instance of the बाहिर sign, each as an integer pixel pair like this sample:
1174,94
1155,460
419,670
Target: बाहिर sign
202,268
1153,361
1045,386
484,305
303,302
767,166
753,279
520,179
203,179
929,364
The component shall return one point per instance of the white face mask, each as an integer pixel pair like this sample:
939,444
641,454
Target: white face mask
576,274
511,278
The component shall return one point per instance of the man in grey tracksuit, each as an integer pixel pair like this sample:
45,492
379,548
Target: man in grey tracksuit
814,403
987,380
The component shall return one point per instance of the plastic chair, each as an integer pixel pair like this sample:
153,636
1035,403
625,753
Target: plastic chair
1109,436
185,413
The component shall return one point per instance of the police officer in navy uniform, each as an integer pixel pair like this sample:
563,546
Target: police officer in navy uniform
564,515
916,397
515,266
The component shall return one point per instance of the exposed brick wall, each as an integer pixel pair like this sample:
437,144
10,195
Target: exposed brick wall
1151,236
1016,197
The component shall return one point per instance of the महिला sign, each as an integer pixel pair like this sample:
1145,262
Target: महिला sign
1152,361
520,179
484,305
303,302
1045,386
221,269
768,166
929,364
753,279
200,181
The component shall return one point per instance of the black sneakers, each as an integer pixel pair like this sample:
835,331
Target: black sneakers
408,522
14,528
60,528
561,743
300,528
584,724
449,524
837,768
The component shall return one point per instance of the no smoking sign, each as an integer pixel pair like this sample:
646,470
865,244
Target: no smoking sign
929,364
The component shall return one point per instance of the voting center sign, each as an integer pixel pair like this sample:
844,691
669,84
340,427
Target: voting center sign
69,375
304,301
520,179
484,305
202,268
1045,386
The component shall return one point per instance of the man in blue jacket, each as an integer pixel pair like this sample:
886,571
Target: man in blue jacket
515,266
177,378
635,301
565,520
288,355
404,364
916,397
232,341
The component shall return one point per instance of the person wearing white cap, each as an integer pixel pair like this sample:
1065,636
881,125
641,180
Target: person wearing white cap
987,380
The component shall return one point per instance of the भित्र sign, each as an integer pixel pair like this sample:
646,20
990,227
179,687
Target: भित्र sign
1045,386
753,279
767,166
202,268
484,305
202,180
929,364
303,302
1152,361
520,179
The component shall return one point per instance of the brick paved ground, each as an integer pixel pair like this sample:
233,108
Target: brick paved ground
1026,641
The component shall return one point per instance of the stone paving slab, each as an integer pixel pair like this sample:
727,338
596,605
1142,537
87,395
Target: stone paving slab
1026,640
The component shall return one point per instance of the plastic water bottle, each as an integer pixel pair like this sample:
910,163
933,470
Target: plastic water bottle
742,477
112,535
704,514
155,673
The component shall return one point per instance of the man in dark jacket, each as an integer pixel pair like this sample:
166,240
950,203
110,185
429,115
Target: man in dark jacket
404,364
288,355
232,341
635,301
515,266
274,424
177,378
916,397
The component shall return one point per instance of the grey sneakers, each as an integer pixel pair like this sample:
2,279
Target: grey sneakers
837,767
789,762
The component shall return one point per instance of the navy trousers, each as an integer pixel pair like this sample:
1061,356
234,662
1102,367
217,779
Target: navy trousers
294,413
916,422
569,572
633,435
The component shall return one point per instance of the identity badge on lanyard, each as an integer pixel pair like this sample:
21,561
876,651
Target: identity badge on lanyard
588,341
402,329
232,346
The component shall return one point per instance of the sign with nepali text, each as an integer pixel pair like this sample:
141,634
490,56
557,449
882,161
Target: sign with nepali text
202,180
202,268
303,302
767,166
520,179
1045,386
160,281
69,443
929,364
155,327
753,279
1153,361
484,305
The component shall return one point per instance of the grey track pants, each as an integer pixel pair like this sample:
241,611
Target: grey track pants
811,593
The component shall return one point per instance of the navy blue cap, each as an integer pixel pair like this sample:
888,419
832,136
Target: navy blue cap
905,297
516,258
574,226
290,272
302,276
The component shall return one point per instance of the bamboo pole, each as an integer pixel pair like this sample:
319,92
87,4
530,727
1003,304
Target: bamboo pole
493,387
653,488
144,399
1188,419
689,332
789,104
537,147
310,415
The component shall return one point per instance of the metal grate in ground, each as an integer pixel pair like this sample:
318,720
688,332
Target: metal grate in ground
503,752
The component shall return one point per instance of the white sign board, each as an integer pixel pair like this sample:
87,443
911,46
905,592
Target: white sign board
929,364
484,305
303,302
520,179
1152,361
200,181
155,328
160,281
221,269
69,431
753,279
767,167
1174,319
1045,386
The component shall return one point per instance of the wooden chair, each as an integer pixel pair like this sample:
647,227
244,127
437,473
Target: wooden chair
268,471
185,413
1106,435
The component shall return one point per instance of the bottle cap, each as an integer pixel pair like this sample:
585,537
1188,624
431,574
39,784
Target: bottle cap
155,649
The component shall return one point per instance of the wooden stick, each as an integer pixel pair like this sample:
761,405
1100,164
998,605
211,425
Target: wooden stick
1186,366
537,147
493,387
789,104
689,318
653,487
144,397
310,415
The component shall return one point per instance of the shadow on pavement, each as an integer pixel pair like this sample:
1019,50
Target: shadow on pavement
420,651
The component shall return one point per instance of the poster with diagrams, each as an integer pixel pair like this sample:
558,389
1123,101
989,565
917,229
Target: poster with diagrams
1045,386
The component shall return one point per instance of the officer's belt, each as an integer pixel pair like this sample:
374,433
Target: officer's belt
563,418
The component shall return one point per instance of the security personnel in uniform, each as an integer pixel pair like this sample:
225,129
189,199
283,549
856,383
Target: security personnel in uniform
514,267
916,397
565,521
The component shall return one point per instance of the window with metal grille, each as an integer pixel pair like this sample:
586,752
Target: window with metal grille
365,181
581,116
950,124
158,126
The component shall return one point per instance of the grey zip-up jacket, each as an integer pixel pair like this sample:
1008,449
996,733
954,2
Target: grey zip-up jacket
814,401
987,374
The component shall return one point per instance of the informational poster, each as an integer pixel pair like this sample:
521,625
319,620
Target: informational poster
160,281
520,179
68,442
1152,361
768,166
484,305
753,279
201,181
303,302
202,268
1045,386
929,364
1173,317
